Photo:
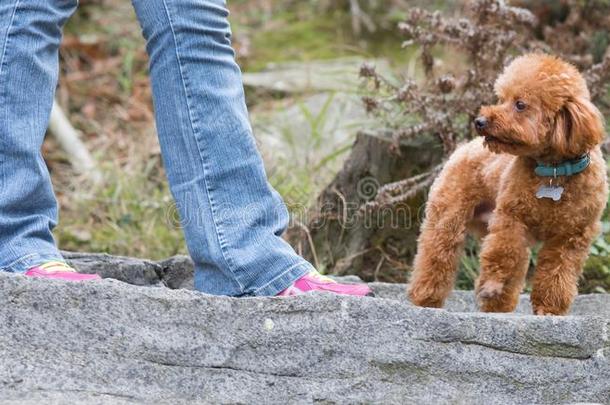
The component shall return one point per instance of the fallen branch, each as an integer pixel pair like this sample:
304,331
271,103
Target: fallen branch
395,193
69,140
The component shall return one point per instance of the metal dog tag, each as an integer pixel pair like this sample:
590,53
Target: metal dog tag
552,192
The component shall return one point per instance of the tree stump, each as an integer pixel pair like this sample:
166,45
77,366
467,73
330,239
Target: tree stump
341,239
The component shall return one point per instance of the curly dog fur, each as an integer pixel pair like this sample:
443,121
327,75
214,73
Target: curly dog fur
544,114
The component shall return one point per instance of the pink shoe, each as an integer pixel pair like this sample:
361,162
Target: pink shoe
314,281
59,270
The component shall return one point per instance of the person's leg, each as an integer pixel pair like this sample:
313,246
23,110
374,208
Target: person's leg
232,218
30,33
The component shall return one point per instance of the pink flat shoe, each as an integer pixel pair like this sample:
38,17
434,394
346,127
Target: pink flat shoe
314,281
59,270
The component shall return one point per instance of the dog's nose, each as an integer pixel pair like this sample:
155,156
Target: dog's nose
480,122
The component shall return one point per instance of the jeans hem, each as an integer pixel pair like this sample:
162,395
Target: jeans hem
26,262
284,280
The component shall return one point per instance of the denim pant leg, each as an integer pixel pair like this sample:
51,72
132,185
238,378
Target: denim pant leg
30,33
232,218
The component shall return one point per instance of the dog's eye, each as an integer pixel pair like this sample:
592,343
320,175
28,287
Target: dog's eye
520,105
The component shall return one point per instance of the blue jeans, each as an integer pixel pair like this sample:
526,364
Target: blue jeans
232,218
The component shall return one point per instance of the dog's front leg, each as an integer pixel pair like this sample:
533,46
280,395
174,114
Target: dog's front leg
504,262
438,252
560,262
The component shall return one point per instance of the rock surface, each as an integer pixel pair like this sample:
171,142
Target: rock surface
309,116
293,128
114,342
315,76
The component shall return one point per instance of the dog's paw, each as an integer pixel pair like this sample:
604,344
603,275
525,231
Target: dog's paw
424,297
493,296
545,311
551,302
489,289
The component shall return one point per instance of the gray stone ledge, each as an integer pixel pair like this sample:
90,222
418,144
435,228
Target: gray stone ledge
113,342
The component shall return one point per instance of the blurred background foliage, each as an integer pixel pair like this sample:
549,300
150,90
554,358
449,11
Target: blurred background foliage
305,128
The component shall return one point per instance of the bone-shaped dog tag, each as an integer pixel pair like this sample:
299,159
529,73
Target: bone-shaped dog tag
552,192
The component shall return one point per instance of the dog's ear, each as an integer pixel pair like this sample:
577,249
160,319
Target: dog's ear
579,127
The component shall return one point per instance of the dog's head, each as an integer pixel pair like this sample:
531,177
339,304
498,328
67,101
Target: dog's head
543,111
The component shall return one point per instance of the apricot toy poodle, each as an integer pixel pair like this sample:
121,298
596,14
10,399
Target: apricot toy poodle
536,174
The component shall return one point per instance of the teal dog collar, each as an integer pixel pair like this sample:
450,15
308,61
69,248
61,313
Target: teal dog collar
567,168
